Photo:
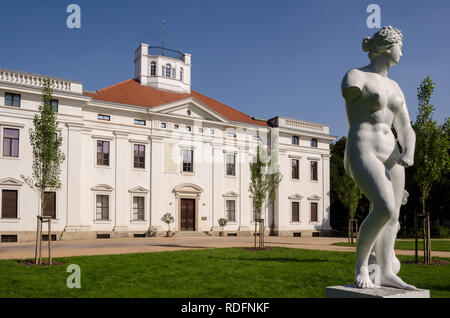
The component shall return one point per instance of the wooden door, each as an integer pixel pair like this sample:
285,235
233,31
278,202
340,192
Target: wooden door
187,215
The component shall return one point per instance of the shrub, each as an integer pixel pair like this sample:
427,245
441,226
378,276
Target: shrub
440,231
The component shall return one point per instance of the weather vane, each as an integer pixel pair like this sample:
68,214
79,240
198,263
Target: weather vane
163,33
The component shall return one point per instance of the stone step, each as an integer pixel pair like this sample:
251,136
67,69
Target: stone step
191,233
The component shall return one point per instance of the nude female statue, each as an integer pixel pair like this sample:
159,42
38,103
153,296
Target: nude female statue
373,158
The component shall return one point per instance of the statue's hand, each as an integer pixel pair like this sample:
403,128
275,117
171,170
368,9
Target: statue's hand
405,161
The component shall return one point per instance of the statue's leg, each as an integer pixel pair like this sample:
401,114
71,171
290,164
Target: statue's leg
384,247
373,180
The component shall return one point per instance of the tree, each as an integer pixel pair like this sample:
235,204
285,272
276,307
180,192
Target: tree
46,144
342,184
265,179
222,222
432,145
168,219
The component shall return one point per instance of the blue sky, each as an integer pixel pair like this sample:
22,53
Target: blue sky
263,57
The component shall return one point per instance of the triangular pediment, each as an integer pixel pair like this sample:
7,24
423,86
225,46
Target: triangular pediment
10,182
102,187
190,109
138,189
314,197
295,196
230,194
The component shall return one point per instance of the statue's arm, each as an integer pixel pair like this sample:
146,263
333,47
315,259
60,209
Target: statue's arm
352,85
405,134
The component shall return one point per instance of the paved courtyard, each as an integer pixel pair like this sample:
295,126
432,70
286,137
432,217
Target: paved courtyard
158,244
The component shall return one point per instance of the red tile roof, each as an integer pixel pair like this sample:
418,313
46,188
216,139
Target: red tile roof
131,92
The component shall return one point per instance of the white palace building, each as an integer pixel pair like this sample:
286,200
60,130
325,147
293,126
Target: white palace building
149,146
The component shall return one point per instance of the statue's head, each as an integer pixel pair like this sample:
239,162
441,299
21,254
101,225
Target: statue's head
387,41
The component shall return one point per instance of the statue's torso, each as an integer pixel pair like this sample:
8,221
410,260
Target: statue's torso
371,115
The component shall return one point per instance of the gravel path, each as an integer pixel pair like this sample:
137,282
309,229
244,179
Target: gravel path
159,244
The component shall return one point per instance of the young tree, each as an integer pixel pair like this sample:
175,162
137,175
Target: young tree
432,145
265,178
222,222
46,144
168,219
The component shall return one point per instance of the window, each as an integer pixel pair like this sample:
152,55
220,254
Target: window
168,70
188,160
314,143
102,207
313,211
314,171
295,140
138,208
231,164
139,156
163,125
295,212
200,130
188,128
211,131
139,122
153,69
103,117
50,204
231,210
181,74
9,204
188,112
257,138
174,75
55,104
102,153
176,126
231,134
11,142
12,99
295,169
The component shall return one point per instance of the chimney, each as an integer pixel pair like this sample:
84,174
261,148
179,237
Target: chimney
141,64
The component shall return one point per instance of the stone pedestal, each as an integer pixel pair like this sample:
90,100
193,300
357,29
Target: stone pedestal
351,291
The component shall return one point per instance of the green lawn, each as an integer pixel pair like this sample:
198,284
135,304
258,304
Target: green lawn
230,272
436,245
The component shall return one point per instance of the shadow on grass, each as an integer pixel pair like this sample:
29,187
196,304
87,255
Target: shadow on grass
176,245
275,259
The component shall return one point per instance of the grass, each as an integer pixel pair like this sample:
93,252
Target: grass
436,245
229,272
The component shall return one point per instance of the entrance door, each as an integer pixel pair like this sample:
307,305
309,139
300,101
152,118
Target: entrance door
187,215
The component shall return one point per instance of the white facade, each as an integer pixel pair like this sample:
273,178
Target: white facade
138,196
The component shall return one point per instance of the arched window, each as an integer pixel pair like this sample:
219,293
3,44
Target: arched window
181,74
153,69
168,70
173,73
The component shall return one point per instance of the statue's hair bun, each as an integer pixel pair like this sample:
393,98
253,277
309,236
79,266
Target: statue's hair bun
366,44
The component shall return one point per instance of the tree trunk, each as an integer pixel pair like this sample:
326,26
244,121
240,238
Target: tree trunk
429,238
416,230
37,240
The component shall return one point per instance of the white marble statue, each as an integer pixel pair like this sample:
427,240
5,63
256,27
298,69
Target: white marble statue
373,158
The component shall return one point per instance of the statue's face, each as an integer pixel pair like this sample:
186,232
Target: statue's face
396,53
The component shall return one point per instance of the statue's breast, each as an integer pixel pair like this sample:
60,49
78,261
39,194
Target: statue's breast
375,96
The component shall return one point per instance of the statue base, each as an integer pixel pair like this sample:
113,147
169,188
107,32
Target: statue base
351,291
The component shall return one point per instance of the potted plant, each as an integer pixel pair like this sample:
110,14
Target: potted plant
222,222
168,219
